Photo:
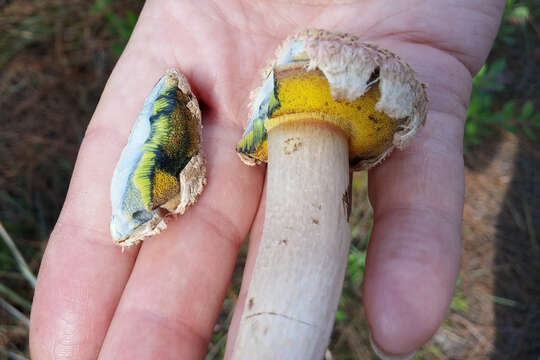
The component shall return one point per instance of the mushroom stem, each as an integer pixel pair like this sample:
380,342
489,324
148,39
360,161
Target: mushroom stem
298,276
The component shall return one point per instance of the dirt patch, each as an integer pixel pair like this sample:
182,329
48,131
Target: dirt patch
499,316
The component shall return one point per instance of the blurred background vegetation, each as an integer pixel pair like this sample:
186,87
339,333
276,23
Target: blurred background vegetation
55,57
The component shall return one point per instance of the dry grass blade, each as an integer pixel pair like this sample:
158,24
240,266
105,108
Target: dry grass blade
11,355
15,313
23,266
215,350
14,297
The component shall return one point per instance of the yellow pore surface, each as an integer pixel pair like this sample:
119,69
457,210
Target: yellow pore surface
261,152
165,186
306,96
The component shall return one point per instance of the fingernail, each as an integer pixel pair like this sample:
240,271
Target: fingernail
384,356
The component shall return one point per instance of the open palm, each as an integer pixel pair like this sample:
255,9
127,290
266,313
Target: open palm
161,299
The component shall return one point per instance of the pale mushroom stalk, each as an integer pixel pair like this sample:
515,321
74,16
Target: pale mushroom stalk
329,105
298,277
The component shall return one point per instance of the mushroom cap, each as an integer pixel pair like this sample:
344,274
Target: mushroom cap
161,166
334,79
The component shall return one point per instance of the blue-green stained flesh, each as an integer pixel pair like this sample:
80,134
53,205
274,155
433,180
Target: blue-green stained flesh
252,147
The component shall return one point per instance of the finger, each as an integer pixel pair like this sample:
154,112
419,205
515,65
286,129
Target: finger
413,256
417,196
175,292
83,274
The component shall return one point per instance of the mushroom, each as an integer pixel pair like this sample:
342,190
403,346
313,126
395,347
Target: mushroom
161,170
329,104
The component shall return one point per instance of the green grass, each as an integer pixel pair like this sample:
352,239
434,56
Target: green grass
485,115
494,103
120,26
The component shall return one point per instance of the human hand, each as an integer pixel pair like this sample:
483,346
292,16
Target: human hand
161,299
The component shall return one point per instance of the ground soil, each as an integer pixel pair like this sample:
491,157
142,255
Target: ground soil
500,271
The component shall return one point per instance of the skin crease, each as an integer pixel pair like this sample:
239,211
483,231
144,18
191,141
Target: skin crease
161,299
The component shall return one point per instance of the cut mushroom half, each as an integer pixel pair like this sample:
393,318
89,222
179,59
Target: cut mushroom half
161,170
329,104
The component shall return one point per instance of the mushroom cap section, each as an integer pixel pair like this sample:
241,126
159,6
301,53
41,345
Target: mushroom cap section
334,79
161,169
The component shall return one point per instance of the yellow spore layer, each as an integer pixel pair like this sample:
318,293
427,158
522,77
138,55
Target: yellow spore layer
306,97
262,151
165,186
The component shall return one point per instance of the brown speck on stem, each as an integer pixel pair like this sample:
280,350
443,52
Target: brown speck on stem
347,201
315,221
291,145
250,303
